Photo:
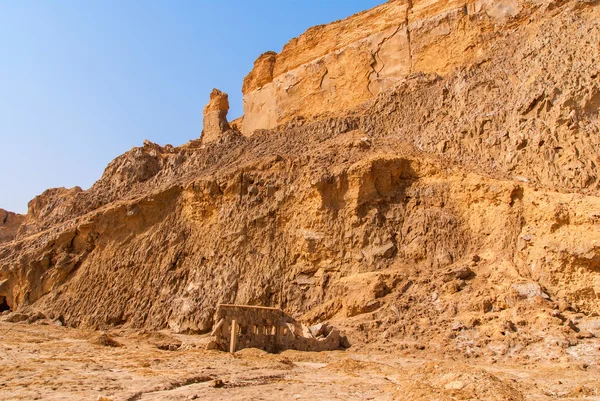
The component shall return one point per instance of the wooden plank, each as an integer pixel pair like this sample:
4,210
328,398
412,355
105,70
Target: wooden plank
217,327
233,340
249,307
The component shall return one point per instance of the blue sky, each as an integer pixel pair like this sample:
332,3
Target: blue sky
81,82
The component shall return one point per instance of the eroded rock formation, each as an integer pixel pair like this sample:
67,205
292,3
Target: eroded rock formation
450,198
9,225
215,116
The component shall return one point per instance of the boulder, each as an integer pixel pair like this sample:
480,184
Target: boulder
17,317
591,325
529,290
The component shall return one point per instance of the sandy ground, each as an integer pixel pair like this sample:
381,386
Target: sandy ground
41,362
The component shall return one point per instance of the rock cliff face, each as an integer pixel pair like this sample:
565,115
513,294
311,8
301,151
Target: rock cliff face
334,67
446,190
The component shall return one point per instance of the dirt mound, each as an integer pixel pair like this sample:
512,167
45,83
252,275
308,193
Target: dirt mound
274,361
105,340
447,384
355,367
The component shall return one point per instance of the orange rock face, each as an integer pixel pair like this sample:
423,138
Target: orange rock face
261,74
334,67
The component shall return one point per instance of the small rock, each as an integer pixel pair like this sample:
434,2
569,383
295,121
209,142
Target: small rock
459,273
455,385
463,273
584,334
384,251
306,333
271,189
318,329
344,342
169,346
487,305
217,383
529,290
444,258
17,317
563,305
35,317
364,142
102,398
451,287
592,325
252,190
509,326
521,179
458,326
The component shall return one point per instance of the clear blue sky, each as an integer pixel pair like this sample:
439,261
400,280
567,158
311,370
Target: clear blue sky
81,82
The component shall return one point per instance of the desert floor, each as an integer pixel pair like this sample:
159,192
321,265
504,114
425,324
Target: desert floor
57,363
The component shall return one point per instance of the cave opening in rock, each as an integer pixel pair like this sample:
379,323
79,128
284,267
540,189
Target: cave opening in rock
3,304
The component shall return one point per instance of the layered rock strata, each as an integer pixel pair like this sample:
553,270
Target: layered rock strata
331,68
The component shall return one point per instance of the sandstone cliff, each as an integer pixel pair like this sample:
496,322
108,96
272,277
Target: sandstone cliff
454,196
334,67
